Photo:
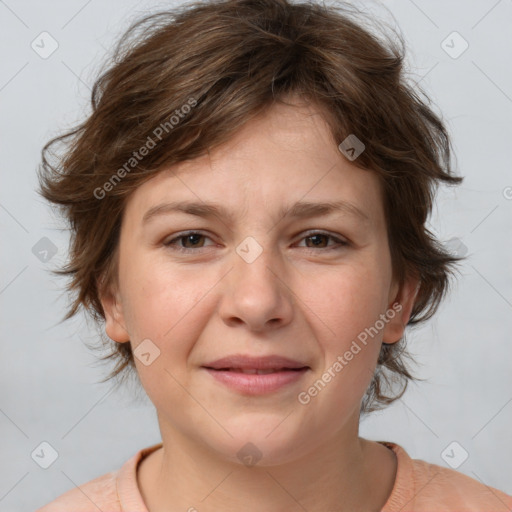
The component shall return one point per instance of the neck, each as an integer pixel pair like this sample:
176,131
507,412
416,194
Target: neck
340,474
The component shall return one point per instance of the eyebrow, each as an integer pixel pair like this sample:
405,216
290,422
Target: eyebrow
301,209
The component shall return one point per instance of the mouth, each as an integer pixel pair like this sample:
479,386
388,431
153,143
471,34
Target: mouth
256,371
256,375
252,364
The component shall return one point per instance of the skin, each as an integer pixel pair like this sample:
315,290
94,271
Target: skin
297,299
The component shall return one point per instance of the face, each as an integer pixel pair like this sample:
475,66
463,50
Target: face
253,280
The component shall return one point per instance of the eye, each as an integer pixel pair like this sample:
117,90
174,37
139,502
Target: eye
317,237
192,241
190,238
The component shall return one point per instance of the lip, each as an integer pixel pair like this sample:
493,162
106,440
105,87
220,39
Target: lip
254,384
287,371
273,362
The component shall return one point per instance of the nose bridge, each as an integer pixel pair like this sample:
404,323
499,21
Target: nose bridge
256,260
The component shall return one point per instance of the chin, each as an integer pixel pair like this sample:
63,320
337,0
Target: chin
262,441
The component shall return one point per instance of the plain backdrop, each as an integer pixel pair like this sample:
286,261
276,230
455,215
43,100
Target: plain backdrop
49,379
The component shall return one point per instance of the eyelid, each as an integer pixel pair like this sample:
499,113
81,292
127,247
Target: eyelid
340,240
334,236
183,234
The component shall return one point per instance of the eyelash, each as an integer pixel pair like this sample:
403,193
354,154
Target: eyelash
341,243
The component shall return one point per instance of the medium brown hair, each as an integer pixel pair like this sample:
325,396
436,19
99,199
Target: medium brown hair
229,60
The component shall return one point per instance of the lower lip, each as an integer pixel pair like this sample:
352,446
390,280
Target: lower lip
254,384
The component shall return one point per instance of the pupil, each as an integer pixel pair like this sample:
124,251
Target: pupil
189,237
316,237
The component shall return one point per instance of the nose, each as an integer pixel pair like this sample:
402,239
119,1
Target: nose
256,293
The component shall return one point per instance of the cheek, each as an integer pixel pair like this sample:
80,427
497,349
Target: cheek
168,308
166,305
345,309
345,301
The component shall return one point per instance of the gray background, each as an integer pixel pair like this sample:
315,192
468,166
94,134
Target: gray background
49,379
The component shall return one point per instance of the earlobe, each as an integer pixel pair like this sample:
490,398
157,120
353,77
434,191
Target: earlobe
114,317
402,306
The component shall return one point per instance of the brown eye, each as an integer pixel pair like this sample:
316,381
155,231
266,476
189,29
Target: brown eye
187,242
193,240
318,240
321,241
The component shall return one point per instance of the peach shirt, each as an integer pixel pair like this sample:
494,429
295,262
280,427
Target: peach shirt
419,487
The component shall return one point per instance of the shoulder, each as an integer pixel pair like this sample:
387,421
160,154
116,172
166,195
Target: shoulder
457,490
424,487
98,494
113,492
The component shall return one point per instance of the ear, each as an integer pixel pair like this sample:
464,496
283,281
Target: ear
114,318
401,302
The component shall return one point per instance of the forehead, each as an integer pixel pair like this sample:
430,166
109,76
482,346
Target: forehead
285,156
